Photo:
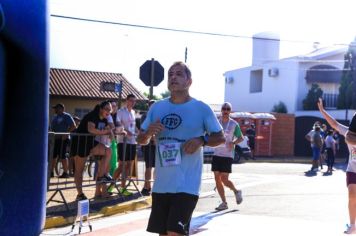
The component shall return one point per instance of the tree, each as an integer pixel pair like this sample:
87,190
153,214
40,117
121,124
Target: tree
155,97
346,97
310,102
280,108
166,94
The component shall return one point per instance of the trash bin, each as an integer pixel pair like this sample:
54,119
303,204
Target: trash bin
245,119
263,143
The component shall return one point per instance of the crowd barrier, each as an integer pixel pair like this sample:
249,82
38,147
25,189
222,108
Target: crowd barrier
62,145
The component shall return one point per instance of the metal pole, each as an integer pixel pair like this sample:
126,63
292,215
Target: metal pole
120,96
152,77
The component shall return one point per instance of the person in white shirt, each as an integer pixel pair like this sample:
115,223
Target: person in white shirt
224,156
351,167
126,119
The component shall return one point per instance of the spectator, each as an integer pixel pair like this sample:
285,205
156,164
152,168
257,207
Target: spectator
126,119
149,152
330,150
62,122
310,136
95,123
251,134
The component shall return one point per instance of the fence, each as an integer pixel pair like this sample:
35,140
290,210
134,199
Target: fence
64,145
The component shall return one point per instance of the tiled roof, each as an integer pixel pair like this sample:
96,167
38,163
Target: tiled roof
86,84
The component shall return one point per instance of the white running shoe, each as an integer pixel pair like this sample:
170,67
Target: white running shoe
222,206
350,229
238,196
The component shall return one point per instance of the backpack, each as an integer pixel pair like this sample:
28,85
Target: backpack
317,140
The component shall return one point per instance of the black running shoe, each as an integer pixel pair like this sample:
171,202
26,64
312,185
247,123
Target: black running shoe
81,197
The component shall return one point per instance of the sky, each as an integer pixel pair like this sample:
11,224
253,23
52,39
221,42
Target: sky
94,46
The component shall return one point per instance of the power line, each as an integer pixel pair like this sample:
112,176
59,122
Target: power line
181,30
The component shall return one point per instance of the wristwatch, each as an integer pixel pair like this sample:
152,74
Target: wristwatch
204,138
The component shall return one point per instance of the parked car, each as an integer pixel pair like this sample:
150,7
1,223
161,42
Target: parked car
241,150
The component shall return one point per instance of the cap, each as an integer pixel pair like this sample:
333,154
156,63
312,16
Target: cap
59,105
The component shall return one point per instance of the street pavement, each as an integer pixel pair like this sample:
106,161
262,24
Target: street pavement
279,199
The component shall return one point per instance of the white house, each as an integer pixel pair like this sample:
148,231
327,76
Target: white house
269,79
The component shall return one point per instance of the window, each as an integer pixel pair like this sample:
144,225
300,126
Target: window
256,81
81,112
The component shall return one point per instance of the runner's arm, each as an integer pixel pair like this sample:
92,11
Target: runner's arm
332,122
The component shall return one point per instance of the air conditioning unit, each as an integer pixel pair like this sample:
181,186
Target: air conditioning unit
229,80
273,72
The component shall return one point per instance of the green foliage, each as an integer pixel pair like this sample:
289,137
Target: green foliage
280,108
310,102
345,100
155,97
166,94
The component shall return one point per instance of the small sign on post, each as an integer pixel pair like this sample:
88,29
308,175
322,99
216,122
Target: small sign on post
111,87
83,214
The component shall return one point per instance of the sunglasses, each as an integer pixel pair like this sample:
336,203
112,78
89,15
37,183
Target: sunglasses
226,109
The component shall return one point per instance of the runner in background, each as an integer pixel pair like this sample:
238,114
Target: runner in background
351,167
224,156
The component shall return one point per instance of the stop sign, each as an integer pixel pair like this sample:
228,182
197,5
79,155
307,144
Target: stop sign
145,72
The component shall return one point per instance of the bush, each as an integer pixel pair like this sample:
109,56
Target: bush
280,108
310,102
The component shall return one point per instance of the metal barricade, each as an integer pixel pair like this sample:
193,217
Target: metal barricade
81,144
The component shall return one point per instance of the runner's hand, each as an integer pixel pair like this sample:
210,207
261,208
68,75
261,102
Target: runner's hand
320,104
192,145
155,128
229,145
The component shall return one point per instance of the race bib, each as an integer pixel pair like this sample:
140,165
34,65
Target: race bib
170,154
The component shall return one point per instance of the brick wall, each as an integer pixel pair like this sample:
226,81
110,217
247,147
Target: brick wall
283,135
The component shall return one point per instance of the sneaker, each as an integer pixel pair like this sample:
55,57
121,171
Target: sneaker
125,192
146,192
81,197
108,177
238,196
111,188
65,175
222,206
350,229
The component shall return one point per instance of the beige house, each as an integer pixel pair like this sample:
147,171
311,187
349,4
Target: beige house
80,90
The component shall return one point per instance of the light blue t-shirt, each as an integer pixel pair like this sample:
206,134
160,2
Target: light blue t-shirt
182,122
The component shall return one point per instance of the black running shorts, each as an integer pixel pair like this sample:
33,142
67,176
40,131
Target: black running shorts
171,212
221,164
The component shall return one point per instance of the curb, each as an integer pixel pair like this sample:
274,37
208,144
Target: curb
134,205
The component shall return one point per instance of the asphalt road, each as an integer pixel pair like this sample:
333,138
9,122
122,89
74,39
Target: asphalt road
279,199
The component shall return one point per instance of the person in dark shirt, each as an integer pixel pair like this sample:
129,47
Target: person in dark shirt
149,152
251,134
96,124
62,122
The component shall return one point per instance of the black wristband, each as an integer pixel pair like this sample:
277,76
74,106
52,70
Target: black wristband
204,139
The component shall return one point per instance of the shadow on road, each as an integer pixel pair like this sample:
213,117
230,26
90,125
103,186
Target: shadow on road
310,173
197,222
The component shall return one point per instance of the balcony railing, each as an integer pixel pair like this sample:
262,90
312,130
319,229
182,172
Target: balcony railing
330,100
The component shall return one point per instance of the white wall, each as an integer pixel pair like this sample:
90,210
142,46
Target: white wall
274,89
